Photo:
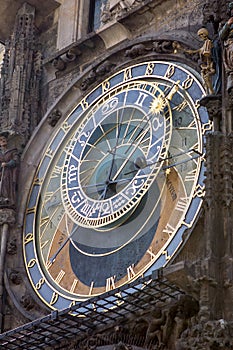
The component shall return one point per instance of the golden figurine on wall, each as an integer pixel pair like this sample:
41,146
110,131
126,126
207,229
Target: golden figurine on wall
206,62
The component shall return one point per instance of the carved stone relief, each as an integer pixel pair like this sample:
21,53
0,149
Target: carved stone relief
7,216
94,74
214,12
157,328
211,335
27,302
15,277
54,117
137,50
114,9
12,247
214,108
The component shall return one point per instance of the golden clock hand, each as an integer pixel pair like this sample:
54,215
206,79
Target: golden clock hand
119,126
181,162
121,180
159,105
168,96
131,153
103,195
94,185
149,116
53,258
97,190
172,91
167,158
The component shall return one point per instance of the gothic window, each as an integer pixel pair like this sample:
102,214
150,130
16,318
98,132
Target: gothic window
96,9
72,22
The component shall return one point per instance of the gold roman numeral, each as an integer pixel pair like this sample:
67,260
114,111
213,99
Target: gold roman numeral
152,255
74,285
169,229
60,277
191,175
48,264
130,272
91,287
110,283
56,171
44,221
182,204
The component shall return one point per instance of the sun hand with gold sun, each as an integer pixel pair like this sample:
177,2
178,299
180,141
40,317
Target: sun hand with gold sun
160,102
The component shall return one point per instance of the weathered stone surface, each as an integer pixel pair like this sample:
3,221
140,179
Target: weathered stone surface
9,9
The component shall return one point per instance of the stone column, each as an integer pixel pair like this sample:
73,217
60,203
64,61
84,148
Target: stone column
7,218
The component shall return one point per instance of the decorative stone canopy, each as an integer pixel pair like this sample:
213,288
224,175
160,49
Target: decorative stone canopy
9,8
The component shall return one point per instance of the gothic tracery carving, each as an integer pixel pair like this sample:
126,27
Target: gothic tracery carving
21,73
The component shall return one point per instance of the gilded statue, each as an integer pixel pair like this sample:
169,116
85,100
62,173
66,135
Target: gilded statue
206,62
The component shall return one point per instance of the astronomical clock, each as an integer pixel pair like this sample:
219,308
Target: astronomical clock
120,183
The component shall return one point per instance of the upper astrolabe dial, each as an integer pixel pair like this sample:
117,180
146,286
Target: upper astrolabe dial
120,184
116,154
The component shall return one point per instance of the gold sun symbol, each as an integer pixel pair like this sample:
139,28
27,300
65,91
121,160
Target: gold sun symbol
158,104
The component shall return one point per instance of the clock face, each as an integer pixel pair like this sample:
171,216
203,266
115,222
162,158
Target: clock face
116,154
120,183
